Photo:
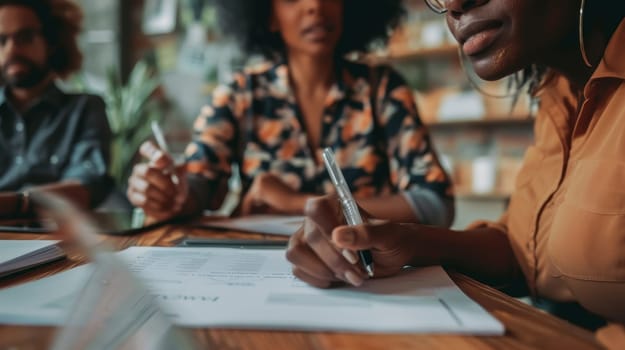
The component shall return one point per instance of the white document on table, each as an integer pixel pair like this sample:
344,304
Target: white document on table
254,289
269,224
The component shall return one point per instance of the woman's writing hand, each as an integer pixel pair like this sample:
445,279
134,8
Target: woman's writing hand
158,187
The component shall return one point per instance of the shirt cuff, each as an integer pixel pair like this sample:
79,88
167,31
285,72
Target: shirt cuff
429,207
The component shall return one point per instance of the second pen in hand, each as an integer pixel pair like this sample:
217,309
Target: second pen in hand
348,204
162,144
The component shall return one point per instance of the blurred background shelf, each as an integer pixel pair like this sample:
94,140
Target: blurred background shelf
480,140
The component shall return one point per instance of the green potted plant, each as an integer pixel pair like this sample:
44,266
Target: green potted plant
130,108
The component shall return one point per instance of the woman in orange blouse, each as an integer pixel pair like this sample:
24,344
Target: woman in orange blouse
275,120
564,232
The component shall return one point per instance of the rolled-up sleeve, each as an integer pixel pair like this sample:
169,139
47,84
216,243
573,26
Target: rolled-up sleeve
89,159
414,167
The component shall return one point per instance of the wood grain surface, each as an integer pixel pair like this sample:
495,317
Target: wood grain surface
526,327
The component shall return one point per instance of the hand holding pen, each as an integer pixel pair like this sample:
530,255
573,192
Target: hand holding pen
162,144
157,187
348,204
317,250
319,260
322,251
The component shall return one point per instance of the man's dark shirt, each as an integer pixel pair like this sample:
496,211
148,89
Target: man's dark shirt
59,137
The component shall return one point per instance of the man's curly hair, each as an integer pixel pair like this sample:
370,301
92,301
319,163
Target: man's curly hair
61,22
364,22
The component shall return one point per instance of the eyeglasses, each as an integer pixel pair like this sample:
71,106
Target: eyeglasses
21,37
437,6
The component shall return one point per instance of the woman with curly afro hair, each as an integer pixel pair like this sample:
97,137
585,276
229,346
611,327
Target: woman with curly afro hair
275,119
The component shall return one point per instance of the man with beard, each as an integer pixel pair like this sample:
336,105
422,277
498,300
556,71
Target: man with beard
49,140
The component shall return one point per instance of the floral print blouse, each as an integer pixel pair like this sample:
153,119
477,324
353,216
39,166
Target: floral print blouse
256,122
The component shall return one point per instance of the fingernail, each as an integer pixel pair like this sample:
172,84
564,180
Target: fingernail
353,278
350,256
346,236
340,277
157,155
309,225
175,179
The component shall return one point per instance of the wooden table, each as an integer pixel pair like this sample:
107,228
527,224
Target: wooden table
526,327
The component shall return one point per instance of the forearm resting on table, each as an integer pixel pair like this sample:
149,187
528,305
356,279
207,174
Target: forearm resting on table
9,205
484,253
190,208
71,190
393,208
416,205
297,204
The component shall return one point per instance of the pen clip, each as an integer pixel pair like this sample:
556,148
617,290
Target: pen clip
350,209
336,176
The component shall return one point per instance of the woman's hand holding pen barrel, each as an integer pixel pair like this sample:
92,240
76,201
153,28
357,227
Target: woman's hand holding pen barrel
316,250
158,187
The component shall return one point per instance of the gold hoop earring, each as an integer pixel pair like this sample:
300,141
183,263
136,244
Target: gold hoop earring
475,85
582,45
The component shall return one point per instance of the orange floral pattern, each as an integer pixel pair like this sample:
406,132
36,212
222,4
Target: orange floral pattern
255,122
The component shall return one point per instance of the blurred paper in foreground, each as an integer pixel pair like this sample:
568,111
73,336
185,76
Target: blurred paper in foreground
114,310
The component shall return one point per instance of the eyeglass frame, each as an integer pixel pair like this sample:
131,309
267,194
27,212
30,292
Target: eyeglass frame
435,8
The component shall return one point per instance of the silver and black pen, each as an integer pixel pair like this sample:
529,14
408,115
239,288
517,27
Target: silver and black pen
350,209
